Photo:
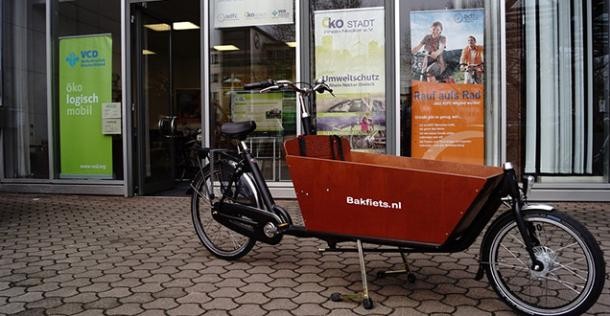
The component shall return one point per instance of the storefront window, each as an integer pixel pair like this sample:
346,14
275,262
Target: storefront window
443,79
252,41
86,83
564,82
23,110
348,53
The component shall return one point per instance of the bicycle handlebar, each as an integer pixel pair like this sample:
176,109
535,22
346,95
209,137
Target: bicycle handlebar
272,85
258,85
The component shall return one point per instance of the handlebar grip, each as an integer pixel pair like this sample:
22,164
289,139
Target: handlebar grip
258,85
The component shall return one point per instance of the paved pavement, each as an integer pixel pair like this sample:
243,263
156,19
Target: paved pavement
91,255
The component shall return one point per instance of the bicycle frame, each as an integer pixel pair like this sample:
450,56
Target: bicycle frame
469,196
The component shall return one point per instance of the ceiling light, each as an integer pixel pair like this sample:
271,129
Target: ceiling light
225,48
292,44
161,27
179,26
148,52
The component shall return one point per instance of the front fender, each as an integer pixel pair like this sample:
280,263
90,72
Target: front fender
544,207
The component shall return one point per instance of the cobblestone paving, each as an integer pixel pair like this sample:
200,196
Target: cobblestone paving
88,255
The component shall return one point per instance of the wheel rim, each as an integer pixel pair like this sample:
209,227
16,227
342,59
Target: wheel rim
217,238
563,284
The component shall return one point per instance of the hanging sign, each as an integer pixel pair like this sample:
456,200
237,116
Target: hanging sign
85,83
448,93
238,13
350,58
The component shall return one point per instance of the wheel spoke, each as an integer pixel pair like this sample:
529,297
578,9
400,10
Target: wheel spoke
513,254
569,285
567,268
506,265
517,240
564,247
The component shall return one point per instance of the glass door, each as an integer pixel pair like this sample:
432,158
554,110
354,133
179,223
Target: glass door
154,118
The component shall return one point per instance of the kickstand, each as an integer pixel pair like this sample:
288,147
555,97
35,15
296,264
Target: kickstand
406,270
367,302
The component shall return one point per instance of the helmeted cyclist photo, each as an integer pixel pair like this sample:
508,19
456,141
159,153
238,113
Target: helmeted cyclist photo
434,44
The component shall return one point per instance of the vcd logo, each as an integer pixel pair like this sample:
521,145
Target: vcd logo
72,59
329,23
89,54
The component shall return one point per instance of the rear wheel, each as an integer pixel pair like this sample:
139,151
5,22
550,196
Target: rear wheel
573,274
218,239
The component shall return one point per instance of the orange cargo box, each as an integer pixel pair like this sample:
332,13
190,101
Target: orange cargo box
385,197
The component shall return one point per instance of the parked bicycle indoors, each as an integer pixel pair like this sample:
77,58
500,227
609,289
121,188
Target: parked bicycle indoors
539,261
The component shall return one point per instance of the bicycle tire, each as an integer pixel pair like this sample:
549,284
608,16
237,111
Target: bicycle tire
566,286
219,240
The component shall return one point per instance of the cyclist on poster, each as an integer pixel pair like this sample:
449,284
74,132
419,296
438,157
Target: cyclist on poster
434,44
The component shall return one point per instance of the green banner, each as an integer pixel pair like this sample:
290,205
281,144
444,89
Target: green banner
85,83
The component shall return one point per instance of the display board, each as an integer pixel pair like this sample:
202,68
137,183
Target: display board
448,90
85,83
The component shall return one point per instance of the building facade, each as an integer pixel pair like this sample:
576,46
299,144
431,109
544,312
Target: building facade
107,97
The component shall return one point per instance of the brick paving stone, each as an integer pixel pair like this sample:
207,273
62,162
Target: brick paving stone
283,282
186,274
170,293
252,298
81,298
32,312
281,293
310,309
284,273
181,283
153,312
62,292
157,278
220,304
161,303
309,297
13,291
137,298
434,306
117,292
280,304
104,303
46,303
279,313
255,287
217,313
248,310
492,305
12,308
66,309
228,292
148,288
202,288
125,309
195,298
95,287
258,278
27,297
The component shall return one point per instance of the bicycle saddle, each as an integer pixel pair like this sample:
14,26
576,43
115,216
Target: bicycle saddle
239,130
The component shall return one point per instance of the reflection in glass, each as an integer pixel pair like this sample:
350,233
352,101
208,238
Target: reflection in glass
24,89
242,52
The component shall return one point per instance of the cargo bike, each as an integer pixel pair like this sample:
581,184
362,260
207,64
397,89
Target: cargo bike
538,260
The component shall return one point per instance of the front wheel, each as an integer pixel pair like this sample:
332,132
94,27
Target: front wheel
217,181
574,270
